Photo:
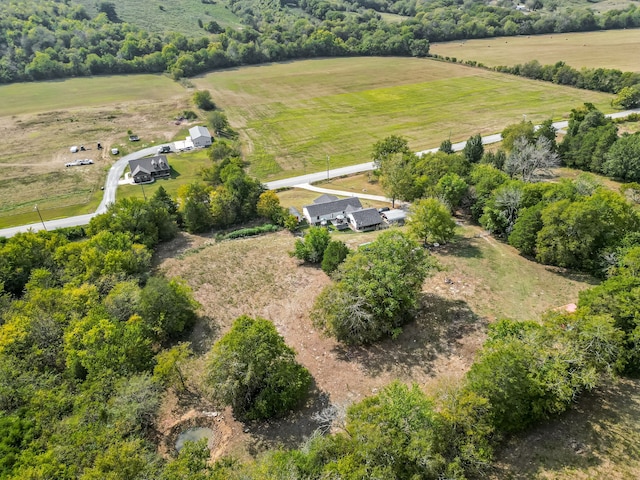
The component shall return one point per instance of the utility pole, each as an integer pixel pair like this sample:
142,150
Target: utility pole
37,210
327,167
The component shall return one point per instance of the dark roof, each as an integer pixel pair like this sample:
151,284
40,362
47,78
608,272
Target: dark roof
367,217
150,165
140,169
325,198
337,206
294,211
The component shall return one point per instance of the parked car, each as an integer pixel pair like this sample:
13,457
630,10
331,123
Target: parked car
74,149
115,151
164,149
75,163
134,138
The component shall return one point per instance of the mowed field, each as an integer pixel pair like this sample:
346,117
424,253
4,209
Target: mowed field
291,116
40,121
606,49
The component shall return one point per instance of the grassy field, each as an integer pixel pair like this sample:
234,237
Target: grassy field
292,115
37,97
39,122
175,16
606,49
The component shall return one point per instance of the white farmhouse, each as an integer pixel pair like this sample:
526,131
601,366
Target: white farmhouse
200,136
329,210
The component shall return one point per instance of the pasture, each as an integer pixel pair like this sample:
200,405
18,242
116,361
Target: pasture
291,116
605,49
39,122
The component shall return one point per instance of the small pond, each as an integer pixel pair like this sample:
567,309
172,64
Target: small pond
193,435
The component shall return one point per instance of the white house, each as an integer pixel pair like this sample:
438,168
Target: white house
327,211
200,136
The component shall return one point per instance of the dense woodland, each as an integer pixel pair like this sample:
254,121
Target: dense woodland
56,39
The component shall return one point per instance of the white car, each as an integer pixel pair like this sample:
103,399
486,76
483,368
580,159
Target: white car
115,151
74,149
75,163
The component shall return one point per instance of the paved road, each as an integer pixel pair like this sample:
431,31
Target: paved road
117,170
110,187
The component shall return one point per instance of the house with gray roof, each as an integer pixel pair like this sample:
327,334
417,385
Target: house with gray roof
326,198
147,169
200,136
328,211
364,219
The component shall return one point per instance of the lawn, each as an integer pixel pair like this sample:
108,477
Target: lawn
185,168
175,16
290,116
605,49
497,282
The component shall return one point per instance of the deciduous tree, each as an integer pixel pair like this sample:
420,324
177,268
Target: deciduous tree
252,369
430,221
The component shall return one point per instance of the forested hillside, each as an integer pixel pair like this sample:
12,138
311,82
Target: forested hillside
42,40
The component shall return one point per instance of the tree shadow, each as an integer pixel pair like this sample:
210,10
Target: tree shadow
573,275
437,330
599,432
290,431
463,247
203,334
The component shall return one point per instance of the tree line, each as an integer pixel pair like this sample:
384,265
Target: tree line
44,40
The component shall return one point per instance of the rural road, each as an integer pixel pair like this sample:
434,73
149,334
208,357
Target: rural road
117,169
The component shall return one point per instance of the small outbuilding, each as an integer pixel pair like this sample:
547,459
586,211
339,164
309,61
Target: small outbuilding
148,169
200,137
394,217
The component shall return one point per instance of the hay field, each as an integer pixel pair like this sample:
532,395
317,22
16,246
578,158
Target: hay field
39,122
606,49
290,116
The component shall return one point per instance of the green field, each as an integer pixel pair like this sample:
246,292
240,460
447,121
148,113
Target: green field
290,116
175,16
605,49
22,98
